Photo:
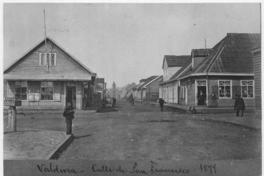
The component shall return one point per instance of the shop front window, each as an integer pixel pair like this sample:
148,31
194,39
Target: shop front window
247,89
224,89
46,90
21,90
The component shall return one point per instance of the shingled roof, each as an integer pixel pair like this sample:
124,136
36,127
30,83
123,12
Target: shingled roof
232,55
175,61
201,52
147,80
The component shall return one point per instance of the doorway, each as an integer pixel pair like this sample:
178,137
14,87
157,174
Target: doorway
201,95
71,95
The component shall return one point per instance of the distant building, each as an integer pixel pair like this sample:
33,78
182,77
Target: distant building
129,89
141,90
100,86
114,92
124,91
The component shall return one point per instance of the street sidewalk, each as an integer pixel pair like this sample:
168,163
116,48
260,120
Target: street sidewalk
249,120
35,144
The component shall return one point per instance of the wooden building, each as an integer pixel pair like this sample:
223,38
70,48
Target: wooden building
151,89
47,77
226,71
257,76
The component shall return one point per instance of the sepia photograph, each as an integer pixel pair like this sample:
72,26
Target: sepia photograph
132,89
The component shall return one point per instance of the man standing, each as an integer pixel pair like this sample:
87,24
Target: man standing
201,98
114,102
85,100
69,115
239,105
161,103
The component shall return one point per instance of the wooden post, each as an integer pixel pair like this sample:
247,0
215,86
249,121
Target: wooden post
12,119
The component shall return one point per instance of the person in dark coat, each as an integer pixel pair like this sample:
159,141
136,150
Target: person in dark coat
85,101
161,103
239,105
114,102
132,100
69,115
201,98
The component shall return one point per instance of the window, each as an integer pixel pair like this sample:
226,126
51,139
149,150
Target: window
46,90
47,59
21,90
224,89
247,89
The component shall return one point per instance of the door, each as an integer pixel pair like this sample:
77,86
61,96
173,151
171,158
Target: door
201,95
71,95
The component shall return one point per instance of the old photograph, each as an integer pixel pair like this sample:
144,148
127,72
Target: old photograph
146,83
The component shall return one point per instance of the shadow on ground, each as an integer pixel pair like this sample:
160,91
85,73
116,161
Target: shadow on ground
106,109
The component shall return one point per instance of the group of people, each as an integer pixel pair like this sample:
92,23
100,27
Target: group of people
109,101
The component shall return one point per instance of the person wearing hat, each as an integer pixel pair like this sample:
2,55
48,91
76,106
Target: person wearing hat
69,115
239,105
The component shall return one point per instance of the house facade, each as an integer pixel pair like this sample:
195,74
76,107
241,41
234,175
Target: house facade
141,90
129,89
151,89
47,77
171,65
114,92
124,92
100,87
225,72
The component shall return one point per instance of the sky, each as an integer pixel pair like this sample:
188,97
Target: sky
124,43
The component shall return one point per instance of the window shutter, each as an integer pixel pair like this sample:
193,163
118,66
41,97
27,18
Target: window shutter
55,59
10,89
57,93
215,91
236,90
39,58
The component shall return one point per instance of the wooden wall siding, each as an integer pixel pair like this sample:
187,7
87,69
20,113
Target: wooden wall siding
257,72
154,86
30,64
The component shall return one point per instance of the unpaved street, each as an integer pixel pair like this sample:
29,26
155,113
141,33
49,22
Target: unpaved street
142,132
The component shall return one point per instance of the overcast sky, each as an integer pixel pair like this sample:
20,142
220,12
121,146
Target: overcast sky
124,42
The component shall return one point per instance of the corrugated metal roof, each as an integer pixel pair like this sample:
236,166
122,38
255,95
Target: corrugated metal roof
175,61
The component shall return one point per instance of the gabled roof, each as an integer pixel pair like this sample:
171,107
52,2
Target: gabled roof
42,42
184,69
124,88
135,88
175,61
151,81
231,56
131,86
147,81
